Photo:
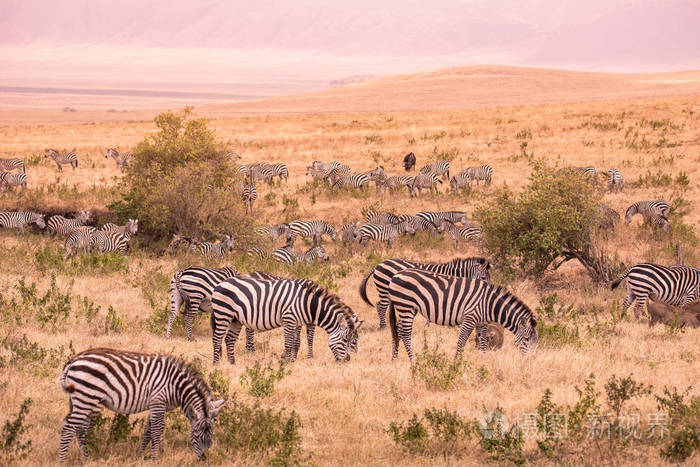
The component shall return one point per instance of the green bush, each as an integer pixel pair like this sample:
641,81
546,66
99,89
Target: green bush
50,310
502,445
261,380
436,369
684,428
30,357
438,432
13,447
113,436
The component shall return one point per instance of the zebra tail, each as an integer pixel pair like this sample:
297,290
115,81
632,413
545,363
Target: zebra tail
67,388
392,322
363,288
616,282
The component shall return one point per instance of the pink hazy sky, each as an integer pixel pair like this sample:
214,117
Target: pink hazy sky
302,44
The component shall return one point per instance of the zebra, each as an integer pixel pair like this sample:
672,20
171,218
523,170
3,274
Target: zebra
260,171
608,218
10,179
122,159
482,172
647,209
59,225
456,301
409,161
457,233
279,170
589,171
232,155
358,180
314,229
177,241
439,168
316,174
419,224
262,305
128,383
337,173
62,159
9,165
615,182
659,221
477,268
395,182
460,181
217,249
381,217
385,233
114,240
287,255
350,233
452,216
20,219
424,180
378,176
257,252
327,166
674,285
248,195
81,238
132,224
274,231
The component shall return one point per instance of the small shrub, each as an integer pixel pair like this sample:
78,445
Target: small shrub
499,443
52,309
112,436
438,432
13,447
558,335
113,322
219,384
31,357
436,369
684,427
261,380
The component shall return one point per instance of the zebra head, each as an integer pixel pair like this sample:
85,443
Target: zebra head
202,429
631,211
317,252
443,225
228,242
132,226
526,334
83,216
50,153
407,227
111,152
40,221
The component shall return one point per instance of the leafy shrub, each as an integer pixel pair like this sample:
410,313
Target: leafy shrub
500,443
34,359
558,334
219,384
110,436
684,428
52,309
438,432
436,369
261,380
113,322
12,446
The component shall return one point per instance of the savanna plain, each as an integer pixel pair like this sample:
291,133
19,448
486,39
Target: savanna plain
346,409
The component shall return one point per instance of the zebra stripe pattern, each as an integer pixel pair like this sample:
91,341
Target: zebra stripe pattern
457,233
460,181
609,218
350,233
287,255
436,217
131,225
62,159
273,232
673,285
424,181
381,217
647,209
262,305
248,195
122,159
615,180
587,171
657,221
12,164
482,172
439,168
217,249
19,220
59,225
129,383
311,229
385,233
419,224
360,180
477,268
455,301
337,173
113,241
395,182
8,179
81,238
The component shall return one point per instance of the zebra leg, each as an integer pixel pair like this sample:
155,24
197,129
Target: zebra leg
310,328
639,305
405,329
156,423
71,424
60,169
249,340
382,306
146,439
218,330
481,340
231,338
297,341
465,330
189,318
175,304
290,336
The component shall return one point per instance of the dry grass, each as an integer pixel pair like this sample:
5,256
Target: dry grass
346,408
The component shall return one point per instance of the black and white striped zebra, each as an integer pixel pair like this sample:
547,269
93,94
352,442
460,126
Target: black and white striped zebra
434,217
106,242
460,181
80,238
273,232
20,219
9,165
59,225
121,159
674,285
262,305
381,217
337,173
287,255
482,172
249,194
458,233
608,218
419,224
646,209
316,174
131,225
456,301
615,180
424,181
211,249
385,233
62,159
279,169
395,182
11,179
130,383
588,171
477,268
359,180
350,233
439,168
257,252
659,221
327,166
314,229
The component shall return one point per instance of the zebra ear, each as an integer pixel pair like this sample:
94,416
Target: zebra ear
216,407
359,325
533,322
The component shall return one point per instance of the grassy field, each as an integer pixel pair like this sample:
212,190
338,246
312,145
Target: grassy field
345,409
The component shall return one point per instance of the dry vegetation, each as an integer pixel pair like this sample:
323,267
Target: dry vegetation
346,409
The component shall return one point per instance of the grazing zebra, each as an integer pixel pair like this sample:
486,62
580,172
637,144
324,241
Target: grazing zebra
409,161
457,233
177,241
482,172
424,180
587,171
62,159
452,216
316,174
615,182
233,156
673,285
327,166
279,170
460,181
419,224
273,232
132,224
114,240
477,268
287,255
314,229
122,159
455,301
129,383
378,176
385,233
350,233
19,220
381,217
9,165
360,180
81,238
248,195
217,249
395,182
59,225
9,179
257,252
262,305
337,173
439,168
647,209
608,218
659,221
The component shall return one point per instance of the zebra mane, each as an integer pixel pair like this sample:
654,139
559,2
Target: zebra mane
315,287
197,379
501,291
477,259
